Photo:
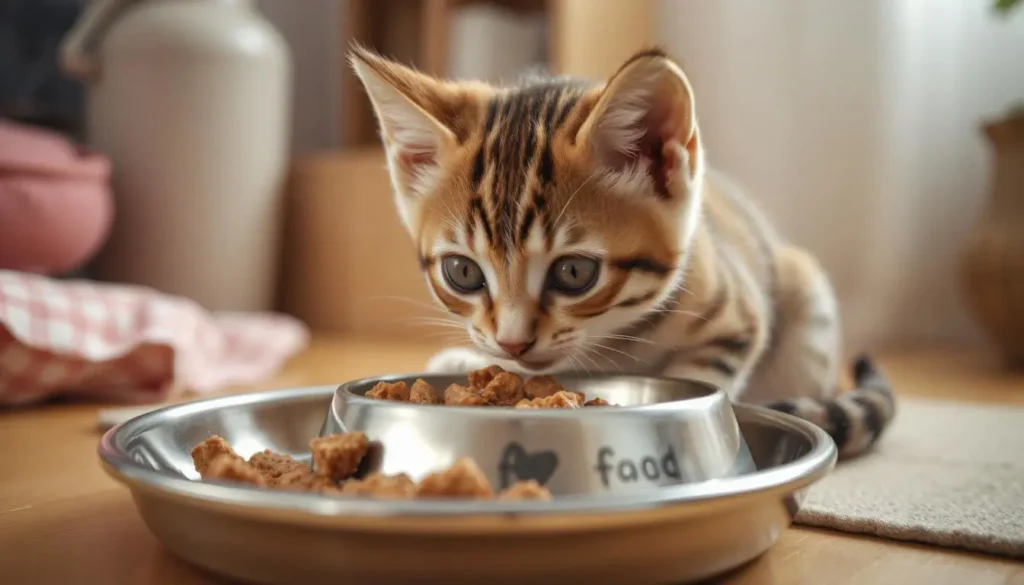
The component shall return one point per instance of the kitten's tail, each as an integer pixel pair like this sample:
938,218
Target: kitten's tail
855,419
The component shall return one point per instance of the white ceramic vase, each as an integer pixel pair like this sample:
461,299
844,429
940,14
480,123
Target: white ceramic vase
191,101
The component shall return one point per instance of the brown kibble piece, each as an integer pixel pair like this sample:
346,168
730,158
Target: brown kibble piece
507,389
204,453
481,378
424,393
541,387
596,402
398,391
456,395
489,396
303,480
338,456
525,490
376,485
230,467
560,399
273,465
463,479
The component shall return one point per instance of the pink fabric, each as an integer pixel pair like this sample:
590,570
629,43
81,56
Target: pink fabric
56,207
128,343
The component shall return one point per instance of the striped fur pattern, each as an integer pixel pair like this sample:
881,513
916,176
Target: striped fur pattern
570,224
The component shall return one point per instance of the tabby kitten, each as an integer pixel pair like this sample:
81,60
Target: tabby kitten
575,224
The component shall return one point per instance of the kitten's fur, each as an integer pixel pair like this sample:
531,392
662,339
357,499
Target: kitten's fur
693,281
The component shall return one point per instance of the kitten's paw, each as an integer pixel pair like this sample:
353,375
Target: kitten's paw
457,360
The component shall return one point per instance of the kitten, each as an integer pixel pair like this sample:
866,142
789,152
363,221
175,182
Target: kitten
575,224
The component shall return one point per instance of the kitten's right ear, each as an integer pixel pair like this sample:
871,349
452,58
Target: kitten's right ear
643,128
411,108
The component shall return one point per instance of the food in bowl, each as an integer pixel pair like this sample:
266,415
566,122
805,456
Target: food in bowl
336,460
337,457
490,386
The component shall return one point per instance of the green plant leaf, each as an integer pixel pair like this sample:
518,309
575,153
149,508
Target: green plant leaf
1005,6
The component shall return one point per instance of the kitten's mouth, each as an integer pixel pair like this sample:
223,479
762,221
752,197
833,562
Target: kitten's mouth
531,363
536,365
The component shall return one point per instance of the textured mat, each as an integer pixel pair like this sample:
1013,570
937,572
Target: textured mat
946,473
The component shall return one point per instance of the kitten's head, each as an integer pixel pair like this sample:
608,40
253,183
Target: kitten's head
548,215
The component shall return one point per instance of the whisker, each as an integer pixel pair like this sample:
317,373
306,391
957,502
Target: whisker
446,317
438,332
594,350
444,320
577,359
571,197
681,312
448,327
611,361
443,343
430,324
680,287
619,337
632,357
446,336
593,347
572,362
583,353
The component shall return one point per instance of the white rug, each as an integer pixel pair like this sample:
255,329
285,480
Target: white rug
946,473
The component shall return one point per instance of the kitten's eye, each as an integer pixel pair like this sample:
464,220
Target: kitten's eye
573,275
463,274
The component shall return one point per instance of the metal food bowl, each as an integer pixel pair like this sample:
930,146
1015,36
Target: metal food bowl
673,534
661,432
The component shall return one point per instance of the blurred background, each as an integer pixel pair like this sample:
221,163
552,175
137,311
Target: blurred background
245,171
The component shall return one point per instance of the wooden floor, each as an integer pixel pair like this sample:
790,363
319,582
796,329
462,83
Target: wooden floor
62,520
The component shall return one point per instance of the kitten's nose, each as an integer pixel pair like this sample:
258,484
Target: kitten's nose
515,348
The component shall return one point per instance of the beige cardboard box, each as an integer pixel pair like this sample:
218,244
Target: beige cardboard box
349,266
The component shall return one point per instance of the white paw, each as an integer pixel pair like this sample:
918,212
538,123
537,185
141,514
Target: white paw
457,360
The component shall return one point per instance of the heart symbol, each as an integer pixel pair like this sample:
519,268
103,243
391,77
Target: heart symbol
517,464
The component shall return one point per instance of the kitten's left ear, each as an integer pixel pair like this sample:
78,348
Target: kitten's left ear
641,119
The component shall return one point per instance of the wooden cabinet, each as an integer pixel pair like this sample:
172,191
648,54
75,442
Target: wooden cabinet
585,37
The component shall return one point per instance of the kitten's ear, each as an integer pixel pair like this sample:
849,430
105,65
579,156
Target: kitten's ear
643,125
415,113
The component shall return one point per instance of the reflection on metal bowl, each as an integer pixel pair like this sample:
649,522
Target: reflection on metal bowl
662,432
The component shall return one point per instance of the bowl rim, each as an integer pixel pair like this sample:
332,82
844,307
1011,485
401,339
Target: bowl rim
244,499
711,398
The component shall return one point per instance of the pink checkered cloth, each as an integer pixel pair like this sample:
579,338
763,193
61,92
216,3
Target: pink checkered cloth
128,343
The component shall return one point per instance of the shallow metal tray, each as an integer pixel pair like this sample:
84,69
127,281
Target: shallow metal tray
671,534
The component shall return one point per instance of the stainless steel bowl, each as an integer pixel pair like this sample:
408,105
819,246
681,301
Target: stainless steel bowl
673,534
663,432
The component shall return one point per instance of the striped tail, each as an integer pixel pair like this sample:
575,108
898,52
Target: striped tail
856,419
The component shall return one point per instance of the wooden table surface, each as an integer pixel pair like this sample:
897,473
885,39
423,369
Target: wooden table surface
62,520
